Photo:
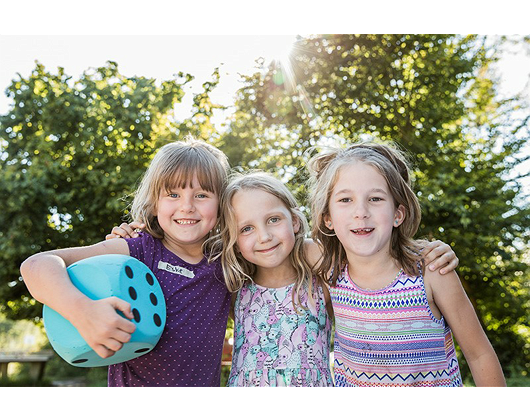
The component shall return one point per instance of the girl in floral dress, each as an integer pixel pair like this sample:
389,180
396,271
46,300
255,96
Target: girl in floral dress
281,314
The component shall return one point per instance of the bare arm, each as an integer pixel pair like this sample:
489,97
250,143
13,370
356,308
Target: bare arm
450,297
96,320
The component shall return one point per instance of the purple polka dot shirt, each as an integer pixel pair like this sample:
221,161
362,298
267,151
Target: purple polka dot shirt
197,303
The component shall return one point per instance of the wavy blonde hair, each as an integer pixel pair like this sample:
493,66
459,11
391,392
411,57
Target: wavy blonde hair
236,269
175,164
391,163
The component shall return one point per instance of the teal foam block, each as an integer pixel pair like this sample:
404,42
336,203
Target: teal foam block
101,277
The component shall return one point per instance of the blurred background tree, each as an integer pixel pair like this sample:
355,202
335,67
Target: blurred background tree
71,151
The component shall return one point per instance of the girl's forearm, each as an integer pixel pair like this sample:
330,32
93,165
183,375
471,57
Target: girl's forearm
486,370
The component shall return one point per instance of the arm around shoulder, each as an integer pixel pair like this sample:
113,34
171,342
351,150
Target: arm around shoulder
450,297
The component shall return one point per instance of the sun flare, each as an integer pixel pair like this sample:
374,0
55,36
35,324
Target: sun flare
279,47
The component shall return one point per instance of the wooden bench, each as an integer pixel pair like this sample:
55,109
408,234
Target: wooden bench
37,362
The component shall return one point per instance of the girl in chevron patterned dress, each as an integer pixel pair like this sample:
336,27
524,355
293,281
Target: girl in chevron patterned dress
393,320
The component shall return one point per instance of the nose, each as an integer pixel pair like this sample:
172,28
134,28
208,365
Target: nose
360,210
264,235
187,205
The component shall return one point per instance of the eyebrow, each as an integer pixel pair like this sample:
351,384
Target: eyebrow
267,215
373,190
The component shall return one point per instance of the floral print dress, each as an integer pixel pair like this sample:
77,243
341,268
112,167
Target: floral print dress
276,345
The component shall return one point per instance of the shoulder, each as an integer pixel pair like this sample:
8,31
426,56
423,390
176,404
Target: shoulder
436,280
446,289
313,252
139,245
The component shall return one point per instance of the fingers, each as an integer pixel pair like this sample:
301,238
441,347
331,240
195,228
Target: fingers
439,256
109,346
123,306
446,262
451,265
137,225
105,330
125,230
103,351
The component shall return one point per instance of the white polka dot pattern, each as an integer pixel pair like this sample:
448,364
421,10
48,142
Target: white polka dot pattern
189,351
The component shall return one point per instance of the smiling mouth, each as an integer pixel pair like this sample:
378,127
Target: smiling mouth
186,222
264,251
364,231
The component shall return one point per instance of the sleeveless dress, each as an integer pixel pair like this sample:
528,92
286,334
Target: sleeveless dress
274,345
390,337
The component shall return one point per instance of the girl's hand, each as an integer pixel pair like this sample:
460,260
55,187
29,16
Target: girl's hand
125,230
439,255
104,330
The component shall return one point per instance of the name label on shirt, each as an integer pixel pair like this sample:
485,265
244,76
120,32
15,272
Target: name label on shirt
175,269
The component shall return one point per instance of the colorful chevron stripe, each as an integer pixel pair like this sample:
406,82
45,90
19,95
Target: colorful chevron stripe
390,337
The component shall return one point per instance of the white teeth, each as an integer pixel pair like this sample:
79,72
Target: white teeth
362,230
186,222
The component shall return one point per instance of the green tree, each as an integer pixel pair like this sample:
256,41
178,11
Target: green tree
70,152
435,95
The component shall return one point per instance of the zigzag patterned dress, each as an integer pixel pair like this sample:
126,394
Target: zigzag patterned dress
390,337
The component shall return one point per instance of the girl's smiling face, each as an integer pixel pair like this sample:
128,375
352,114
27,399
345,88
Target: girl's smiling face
266,229
362,211
187,215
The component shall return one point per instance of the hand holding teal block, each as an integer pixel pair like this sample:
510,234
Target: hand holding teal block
101,277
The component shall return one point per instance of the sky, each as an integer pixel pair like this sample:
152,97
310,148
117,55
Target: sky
151,56
162,56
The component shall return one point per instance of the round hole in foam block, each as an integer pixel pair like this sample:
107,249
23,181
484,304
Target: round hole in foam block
101,277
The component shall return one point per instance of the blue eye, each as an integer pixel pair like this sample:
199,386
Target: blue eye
246,229
274,219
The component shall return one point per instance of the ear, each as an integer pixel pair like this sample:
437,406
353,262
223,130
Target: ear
327,222
296,224
399,215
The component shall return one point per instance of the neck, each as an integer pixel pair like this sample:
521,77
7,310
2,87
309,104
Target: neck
275,277
374,272
190,253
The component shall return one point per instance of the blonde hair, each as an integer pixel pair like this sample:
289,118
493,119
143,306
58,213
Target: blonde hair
391,163
175,164
236,269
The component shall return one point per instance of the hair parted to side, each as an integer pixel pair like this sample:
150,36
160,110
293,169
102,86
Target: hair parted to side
236,269
175,164
391,163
